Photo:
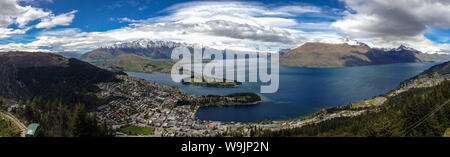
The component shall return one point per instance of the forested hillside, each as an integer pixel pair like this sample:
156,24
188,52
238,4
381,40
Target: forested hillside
25,75
58,120
417,112
418,107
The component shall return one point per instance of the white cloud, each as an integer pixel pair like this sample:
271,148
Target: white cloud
126,19
7,32
245,26
238,12
30,14
61,32
13,13
60,20
389,23
292,10
8,11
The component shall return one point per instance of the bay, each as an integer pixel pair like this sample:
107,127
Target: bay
302,91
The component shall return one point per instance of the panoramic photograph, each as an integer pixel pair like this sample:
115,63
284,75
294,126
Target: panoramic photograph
215,69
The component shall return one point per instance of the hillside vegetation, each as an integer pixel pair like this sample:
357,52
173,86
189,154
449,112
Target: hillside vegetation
415,111
58,120
408,114
8,128
135,63
25,75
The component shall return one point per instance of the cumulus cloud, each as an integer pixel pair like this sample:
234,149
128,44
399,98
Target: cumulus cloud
30,14
60,20
246,31
8,10
222,28
247,26
7,32
389,23
12,13
244,26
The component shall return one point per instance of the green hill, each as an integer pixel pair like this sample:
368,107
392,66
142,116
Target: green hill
408,114
24,75
132,62
441,69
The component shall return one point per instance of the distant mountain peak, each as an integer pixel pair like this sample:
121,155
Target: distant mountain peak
143,47
145,43
402,47
348,52
405,47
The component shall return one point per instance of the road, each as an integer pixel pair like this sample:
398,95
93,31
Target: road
21,126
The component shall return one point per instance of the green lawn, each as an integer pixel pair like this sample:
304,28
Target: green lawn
135,130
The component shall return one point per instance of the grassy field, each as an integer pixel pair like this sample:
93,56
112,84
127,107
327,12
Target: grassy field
8,128
135,130
131,62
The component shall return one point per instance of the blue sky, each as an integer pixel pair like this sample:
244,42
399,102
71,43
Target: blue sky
83,25
94,15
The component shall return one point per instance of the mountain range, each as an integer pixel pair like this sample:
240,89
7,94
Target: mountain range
144,48
310,54
25,75
318,54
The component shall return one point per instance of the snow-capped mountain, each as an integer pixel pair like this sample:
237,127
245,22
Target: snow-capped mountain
145,43
398,49
403,48
347,52
144,47
343,50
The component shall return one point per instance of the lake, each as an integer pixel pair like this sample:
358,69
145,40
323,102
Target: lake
302,91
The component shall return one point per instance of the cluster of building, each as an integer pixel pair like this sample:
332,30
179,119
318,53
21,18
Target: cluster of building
138,102
144,104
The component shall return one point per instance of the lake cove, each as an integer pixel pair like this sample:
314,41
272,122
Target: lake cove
193,147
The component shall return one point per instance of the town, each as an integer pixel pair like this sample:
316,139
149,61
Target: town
145,104
153,105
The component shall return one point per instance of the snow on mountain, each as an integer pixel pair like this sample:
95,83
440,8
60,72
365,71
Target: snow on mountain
146,43
403,48
343,41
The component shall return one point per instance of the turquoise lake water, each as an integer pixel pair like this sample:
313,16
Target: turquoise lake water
302,91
